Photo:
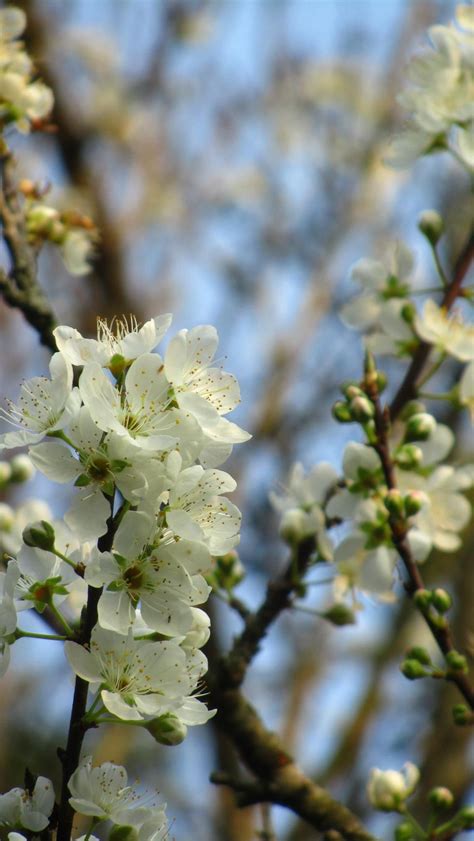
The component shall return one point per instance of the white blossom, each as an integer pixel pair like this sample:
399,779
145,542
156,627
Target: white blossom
125,339
446,331
8,616
360,568
301,505
388,790
466,388
20,809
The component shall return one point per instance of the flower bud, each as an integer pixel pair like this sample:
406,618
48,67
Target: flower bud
341,412
294,525
420,427
408,456
413,407
423,599
462,714
431,225
393,502
466,817
339,614
441,600
413,669
413,503
405,832
123,833
5,473
167,729
420,654
361,409
408,313
441,797
199,632
39,535
352,389
456,662
7,517
22,468
387,790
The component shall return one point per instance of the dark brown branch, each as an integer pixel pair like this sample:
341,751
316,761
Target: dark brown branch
19,287
408,388
414,582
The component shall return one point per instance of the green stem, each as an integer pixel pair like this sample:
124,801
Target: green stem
56,613
439,267
20,633
416,826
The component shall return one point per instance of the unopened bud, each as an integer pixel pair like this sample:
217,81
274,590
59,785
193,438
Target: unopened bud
123,833
441,600
167,729
456,662
431,225
7,517
462,715
351,390
339,614
404,832
409,456
39,535
5,473
413,407
466,816
420,654
441,797
413,669
423,599
420,427
341,412
295,526
413,503
393,502
361,409
22,468
408,313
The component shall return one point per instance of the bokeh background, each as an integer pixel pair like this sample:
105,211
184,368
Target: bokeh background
231,154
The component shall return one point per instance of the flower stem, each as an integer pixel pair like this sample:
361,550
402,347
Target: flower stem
20,634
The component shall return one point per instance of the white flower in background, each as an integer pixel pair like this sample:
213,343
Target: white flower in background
119,339
466,388
367,570
44,406
76,250
446,331
206,392
8,617
363,474
136,678
143,412
164,579
20,809
102,792
394,335
388,790
439,95
13,522
445,512
301,506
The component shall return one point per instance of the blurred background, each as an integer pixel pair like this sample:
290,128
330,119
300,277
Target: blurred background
231,154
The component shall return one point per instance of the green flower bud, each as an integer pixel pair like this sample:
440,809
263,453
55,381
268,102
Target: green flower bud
408,456
462,714
393,502
5,473
341,412
123,833
339,614
167,729
382,381
441,600
441,797
456,662
420,654
22,468
413,669
361,409
7,517
431,225
229,570
466,816
39,535
413,407
413,503
423,599
408,313
353,390
404,832
420,427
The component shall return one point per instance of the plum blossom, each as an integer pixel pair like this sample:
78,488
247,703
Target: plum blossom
8,615
124,339
388,790
358,567
45,406
446,331
28,810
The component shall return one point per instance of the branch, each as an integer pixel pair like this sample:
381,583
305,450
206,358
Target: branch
408,388
20,286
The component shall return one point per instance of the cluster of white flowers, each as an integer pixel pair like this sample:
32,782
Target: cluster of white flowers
440,95
73,233
140,437
22,100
